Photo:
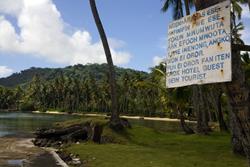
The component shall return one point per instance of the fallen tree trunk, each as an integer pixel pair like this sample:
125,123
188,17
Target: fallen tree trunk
55,137
87,131
55,133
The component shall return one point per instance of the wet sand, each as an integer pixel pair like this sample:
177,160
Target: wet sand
16,152
122,116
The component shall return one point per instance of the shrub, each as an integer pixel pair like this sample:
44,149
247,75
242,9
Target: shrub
27,106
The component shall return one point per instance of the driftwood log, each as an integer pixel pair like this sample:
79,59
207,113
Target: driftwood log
89,131
55,137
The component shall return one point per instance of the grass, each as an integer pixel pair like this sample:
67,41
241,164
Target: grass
82,120
145,147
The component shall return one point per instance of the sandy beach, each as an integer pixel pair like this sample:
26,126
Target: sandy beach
20,152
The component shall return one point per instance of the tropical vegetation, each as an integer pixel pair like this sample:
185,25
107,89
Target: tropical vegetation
114,91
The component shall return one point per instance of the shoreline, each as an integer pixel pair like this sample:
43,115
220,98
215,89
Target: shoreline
122,116
21,151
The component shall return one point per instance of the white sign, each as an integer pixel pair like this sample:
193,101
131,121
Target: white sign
199,48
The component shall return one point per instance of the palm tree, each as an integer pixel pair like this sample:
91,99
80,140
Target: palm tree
238,92
115,121
214,94
177,99
202,125
177,5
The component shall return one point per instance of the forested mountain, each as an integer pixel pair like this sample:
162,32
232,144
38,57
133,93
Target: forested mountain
82,88
97,71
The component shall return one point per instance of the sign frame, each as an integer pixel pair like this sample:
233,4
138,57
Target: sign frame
199,48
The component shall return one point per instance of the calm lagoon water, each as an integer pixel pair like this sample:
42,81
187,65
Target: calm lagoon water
24,124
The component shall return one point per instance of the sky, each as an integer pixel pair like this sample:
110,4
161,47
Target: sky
58,33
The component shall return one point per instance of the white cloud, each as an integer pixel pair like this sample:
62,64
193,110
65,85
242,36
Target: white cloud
5,71
163,42
246,37
157,60
246,11
12,7
42,34
246,21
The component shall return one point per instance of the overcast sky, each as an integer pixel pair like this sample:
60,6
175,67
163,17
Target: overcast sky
57,33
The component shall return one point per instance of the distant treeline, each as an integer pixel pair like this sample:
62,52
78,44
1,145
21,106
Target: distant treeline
83,89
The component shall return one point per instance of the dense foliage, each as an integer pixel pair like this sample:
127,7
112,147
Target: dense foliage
82,89
77,71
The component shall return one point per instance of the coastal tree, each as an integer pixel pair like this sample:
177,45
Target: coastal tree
237,90
115,121
197,93
177,99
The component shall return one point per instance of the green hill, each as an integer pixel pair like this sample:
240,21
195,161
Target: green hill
98,71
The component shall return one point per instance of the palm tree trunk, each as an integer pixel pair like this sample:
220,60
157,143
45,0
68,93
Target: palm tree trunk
184,126
114,120
236,142
215,94
200,109
223,126
238,93
181,8
187,7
